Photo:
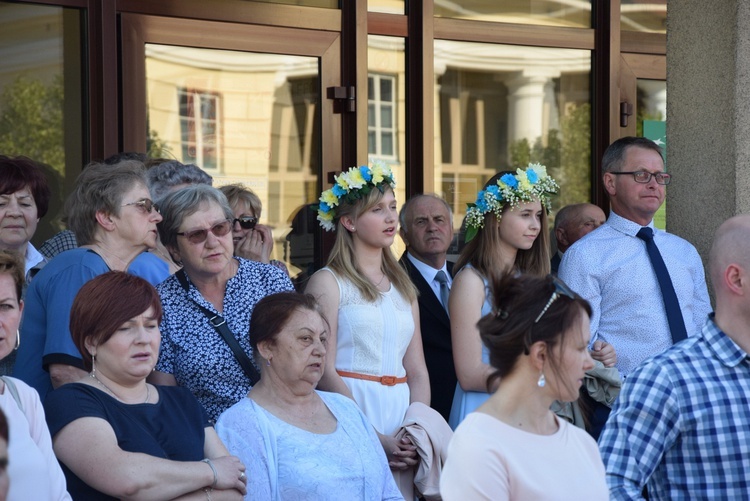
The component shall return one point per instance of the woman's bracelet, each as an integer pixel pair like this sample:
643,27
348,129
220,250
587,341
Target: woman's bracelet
216,475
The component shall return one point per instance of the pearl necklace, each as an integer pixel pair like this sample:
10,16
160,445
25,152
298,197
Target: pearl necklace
148,389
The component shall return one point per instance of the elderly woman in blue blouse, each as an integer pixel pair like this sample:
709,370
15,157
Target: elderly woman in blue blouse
207,304
299,443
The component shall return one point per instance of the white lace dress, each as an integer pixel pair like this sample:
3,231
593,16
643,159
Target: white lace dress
372,339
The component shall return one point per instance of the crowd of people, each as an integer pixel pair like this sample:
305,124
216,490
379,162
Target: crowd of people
155,350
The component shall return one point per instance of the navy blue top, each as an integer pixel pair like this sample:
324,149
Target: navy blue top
173,428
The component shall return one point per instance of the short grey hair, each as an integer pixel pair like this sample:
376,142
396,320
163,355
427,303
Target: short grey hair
100,188
166,175
408,203
178,205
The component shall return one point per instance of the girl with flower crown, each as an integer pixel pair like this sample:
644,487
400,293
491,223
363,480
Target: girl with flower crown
507,232
374,348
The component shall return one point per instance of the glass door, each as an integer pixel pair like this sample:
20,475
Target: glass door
246,104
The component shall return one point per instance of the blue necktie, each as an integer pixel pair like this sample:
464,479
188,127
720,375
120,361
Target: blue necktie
442,279
674,314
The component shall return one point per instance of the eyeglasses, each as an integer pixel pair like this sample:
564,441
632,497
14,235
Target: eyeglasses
246,222
145,204
643,177
560,290
200,236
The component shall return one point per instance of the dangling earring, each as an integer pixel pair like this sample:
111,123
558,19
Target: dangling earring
18,339
268,362
93,365
542,381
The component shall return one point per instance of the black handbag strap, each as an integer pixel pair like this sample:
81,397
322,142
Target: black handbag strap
218,323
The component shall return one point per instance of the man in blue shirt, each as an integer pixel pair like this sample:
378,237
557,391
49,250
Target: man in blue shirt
681,425
613,269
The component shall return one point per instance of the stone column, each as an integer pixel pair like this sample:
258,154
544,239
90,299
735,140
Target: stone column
708,116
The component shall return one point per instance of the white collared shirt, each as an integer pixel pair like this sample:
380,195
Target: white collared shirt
428,273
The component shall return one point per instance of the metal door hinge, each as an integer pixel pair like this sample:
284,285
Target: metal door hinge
343,99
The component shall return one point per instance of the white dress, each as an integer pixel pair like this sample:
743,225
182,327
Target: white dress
372,339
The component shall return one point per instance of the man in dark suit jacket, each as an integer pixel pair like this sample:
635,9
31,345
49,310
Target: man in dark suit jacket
427,231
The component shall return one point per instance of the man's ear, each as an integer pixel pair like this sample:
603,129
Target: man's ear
609,183
402,233
561,236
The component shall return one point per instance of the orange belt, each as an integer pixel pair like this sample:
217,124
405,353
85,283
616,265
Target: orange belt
384,380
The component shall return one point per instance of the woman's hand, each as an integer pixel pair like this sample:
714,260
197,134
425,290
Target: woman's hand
230,473
604,353
257,245
401,454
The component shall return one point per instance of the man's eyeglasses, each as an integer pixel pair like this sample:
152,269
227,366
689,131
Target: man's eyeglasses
200,236
145,204
643,177
246,222
561,289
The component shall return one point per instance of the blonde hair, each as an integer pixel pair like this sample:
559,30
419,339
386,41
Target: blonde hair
482,251
343,259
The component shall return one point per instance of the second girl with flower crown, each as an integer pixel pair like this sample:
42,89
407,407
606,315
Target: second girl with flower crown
375,348
506,231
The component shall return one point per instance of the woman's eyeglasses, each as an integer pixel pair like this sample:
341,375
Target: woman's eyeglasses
145,204
561,289
246,222
200,236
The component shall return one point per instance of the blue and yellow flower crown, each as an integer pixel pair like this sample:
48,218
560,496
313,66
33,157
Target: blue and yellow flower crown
513,189
350,186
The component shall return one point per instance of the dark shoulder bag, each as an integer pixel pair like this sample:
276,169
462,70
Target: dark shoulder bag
218,323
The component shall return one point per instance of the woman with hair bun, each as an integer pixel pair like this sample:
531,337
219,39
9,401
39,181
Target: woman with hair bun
513,446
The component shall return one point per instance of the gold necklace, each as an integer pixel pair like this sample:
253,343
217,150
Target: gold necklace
148,390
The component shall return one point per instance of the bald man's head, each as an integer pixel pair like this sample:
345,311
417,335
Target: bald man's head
574,221
730,247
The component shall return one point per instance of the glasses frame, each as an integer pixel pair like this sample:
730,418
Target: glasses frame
561,289
246,222
144,203
200,236
661,178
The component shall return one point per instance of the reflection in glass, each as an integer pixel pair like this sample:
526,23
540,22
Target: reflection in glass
327,4
574,14
386,6
245,118
648,16
40,96
386,111
501,107
652,102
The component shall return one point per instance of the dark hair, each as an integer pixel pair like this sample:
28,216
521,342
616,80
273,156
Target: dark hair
11,263
106,302
614,155
272,313
18,173
510,330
